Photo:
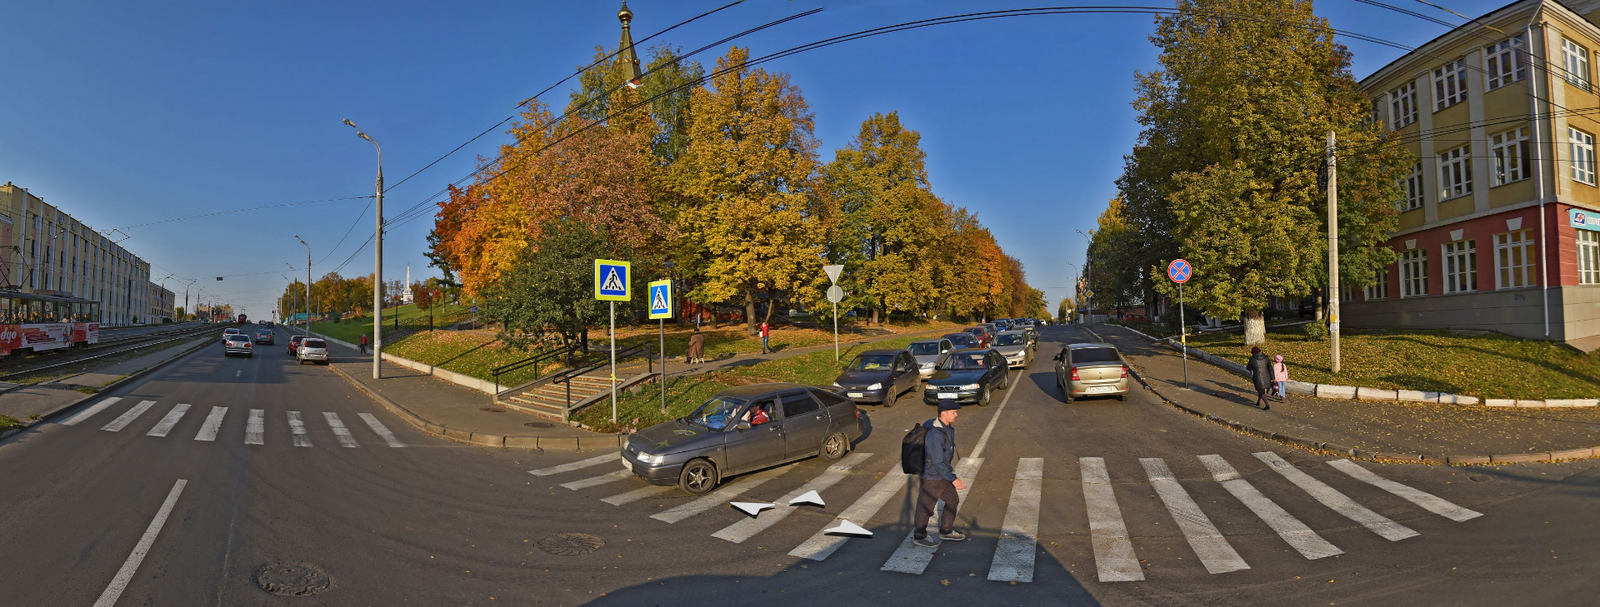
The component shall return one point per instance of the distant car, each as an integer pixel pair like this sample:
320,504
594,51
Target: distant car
879,377
968,377
961,341
1013,345
1134,316
929,353
982,335
1091,369
744,429
313,349
294,343
237,343
230,331
265,336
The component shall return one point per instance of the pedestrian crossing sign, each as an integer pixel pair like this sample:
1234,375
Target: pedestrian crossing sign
661,299
611,280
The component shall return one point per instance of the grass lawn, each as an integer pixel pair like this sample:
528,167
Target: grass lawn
351,329
473,353
1486,366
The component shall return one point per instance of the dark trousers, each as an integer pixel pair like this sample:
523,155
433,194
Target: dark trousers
764,348
363,347
933,490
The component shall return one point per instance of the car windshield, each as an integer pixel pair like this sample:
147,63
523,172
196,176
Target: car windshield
872,362
925,348
975,331
313,343
1015,339
964,362
715,413
1095,355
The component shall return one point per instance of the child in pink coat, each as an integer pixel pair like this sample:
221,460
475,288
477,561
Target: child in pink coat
1280,375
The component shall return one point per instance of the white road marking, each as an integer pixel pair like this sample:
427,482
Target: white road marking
719,496
638,494
255,429
213,423
339,431
1213,550
593,461
1019,534
238,373
1429,501
127,417
747,528
297,430
1113,551
88,413
821,545
1295,533
609,477
1339,502
913,559
125,574
166,423
381,430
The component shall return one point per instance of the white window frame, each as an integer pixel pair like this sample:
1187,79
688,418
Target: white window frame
1455,173
1581,145
1379,289
1449,84
1414,273
1575,60
1505,63
1508,157
1588,245
1412,194
1514,263
1403,105
1460,266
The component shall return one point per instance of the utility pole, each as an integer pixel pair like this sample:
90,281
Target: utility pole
308,283
1333,250
377,264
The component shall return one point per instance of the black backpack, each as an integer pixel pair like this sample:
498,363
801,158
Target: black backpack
913,452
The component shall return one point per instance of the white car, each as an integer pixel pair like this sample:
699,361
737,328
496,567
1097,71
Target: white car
313,349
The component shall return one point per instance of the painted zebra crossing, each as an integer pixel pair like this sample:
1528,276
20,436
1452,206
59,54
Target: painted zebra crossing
1016,546
211,427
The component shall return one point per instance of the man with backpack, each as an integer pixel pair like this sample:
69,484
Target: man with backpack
937,441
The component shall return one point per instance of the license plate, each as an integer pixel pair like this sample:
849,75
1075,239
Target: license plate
856,395
627,464
944,395
1102,389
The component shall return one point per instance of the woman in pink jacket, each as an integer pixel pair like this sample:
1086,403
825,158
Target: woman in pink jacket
1280,375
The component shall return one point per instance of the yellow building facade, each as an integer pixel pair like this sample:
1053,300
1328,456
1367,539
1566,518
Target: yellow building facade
53,253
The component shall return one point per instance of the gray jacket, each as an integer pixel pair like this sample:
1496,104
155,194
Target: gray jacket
939,451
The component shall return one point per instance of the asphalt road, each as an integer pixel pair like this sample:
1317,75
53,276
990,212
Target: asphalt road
440,523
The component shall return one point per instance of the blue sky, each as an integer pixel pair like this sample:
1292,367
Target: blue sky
128,113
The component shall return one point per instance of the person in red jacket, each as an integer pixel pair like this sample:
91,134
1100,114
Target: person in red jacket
765,333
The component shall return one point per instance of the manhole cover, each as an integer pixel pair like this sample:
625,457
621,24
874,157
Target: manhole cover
539,425
571,544
492,409
292,579
1479,478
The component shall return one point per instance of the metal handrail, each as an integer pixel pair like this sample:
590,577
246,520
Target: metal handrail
531,360
566,376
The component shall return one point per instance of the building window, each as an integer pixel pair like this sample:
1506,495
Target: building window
1575,59
1505,62
1411,189
1513,256
1379,289
1588,257
1507,154
1582,155
1449,84
1403,105
1455,173
1460,266
1414,273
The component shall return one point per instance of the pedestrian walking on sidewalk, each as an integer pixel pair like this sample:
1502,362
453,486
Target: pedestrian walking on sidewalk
1261,375
1280,376
939,480
697,348
765,333
363,343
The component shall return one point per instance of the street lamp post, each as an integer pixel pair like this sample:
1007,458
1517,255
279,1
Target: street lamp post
1087,277
186,310
308,283
377,260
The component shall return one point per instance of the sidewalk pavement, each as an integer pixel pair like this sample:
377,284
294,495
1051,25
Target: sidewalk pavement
1379,430
49,399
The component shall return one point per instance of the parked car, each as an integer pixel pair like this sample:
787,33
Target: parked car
1134,317
981,335
313,349
265,336
929,353
961,341
294,344
1013,345
237,343
1092,369
968,376
744,429
879,377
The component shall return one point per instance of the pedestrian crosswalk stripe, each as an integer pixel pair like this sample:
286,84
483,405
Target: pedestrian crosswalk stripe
719,496
1019,533
578,465
1295,533
255,429
128,416
609,477
1113,551
745,529
821,545
381,430
913,559
1428,501
1339,502
166,423
638,494
1213,550
339,431
93,409
213,424
297,430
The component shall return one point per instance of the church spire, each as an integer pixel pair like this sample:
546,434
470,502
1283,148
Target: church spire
629,59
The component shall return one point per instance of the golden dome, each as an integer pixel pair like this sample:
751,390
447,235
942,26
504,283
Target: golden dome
625,15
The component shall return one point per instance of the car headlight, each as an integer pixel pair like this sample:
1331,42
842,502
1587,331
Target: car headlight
970,387
875,387
651,458
836,385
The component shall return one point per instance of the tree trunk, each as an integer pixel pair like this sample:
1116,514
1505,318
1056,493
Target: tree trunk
749,312
1255,328
1322,301
768,318
873,322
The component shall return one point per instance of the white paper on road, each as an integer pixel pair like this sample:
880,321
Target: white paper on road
1339,502
1295,533
382,430
610,477
1213,550
751,508
88,413
913,559
821,545
810,498
165,425
213,424
1113,551
1430,502
127,417
1019,533
578,465
849,528
719,495
297,430
339,431
113,591
745,529
255,430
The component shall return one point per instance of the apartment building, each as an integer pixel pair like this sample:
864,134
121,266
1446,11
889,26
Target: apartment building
1500,221
162,305
54,253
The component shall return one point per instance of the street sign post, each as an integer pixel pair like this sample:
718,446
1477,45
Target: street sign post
1180,271
611,285
835,295
661,310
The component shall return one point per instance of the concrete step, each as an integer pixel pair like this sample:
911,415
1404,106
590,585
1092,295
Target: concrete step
552,408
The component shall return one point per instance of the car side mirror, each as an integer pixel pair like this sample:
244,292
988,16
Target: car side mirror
1057,356
742,426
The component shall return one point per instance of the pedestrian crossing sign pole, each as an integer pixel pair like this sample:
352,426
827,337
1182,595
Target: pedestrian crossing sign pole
661,310
611,285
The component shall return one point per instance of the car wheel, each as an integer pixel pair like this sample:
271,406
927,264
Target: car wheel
983,401
834,447
698,477
1005,380
890,398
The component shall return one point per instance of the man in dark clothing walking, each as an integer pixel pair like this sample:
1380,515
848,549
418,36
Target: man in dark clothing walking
939,480
1260,375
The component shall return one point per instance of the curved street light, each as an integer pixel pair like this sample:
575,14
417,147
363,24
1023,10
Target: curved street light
377,259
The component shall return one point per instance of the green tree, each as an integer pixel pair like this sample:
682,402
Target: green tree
550,290
1064,309
1119,279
